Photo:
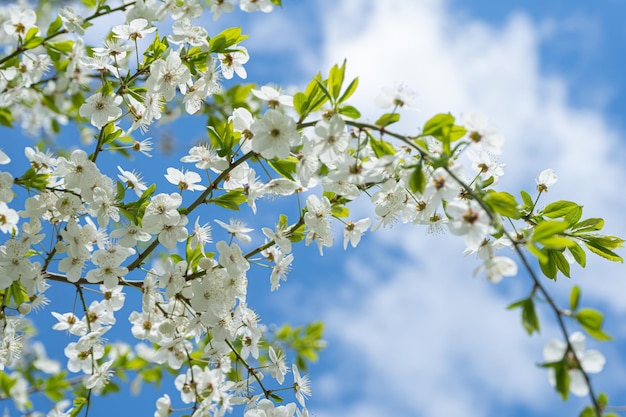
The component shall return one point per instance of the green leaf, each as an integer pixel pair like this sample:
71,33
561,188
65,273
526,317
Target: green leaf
6,383
573,216
602,251
31,40
79,403
580,256
231,200
588,225
323,88
350,111
558,208
562,380
63,46
588,317
225,39
349,90
436,125
387,119
6,118
548,267
300,103
276,398
18,292
557,242
339,211
527,199
574,298
456,133
285,167
54,26
502,203
417,181
548,228
530,321
560,262
335,79
591,320
381,147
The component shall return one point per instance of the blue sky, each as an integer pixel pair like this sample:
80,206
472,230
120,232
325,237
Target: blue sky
410,331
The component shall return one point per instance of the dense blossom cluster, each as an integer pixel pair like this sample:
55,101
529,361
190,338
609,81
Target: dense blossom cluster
194,317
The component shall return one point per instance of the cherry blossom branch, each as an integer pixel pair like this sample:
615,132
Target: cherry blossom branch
536,282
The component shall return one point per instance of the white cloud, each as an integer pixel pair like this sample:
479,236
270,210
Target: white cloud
428,338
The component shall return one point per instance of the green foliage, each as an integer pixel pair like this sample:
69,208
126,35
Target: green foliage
530,320
442,128
231,200
417,181
227,38
591,320
305,341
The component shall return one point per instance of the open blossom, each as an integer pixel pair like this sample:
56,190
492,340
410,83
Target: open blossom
238,229
19,22
546,179
353,231
101,109
331,139
8,218
497,267
4,158
132,180
231,259
264,6
232,62
470,220
166,75
273,97
591,362
400,96
274,135
205,157
301,385
136,29
73,21
187,180
482,134
277,366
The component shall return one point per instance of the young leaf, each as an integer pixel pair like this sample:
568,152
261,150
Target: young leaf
349,91
387,119
231,200
417,181
574,298
350,111
559,208
502,203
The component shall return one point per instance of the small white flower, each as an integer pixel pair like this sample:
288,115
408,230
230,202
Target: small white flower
238,229
184,180
136,29
101,109
545,179
132,180
232,62
353,231
591,362
274,135
4,158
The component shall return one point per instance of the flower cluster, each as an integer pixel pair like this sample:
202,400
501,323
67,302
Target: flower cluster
101,232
